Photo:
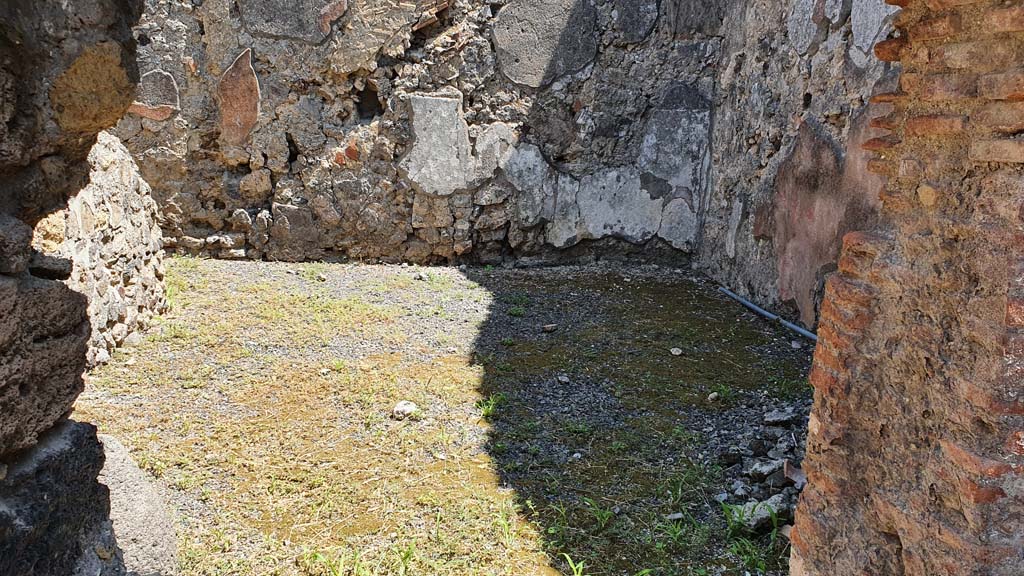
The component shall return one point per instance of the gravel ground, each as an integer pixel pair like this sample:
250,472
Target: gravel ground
629,419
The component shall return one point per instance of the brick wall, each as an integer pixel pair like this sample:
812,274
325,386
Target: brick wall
916,446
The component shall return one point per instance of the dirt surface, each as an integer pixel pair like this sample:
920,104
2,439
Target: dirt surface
554,424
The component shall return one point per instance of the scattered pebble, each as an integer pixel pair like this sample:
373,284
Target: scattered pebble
676,351
713,397
321,278
325,371
796,344
549,328
404,409
563,379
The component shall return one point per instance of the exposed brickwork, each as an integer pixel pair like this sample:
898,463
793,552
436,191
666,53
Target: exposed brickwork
916,448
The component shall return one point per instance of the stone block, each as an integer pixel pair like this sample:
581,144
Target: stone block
1005,86
996,150
635,19
41,367
1006,117
440,160
239,93
538,41
54,513
304,20
15,245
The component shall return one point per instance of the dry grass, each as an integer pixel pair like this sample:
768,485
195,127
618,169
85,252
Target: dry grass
262,403
285,456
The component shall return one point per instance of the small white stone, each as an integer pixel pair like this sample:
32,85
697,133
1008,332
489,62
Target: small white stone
676,351
713,396
404,409
796,345
563,379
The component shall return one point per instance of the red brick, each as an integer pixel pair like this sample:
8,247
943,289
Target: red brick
844,290
352,152
1008,151
980,56
864,243
1015,312
824,485
979,494
972,464
890,50
946,4
825,357
887,97
911,82
1005,20
935,125
849,320
986,400
834,337
889,122
854,265
824,380
881,144
1005,86
940,27
158,113
1007,117
881,167
944,87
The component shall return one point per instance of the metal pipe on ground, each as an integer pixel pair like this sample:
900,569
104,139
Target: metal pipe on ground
773,317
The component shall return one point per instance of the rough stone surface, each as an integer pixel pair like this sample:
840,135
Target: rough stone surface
914,450
538,42
54,514
111,240
305,20
635,18
440,158
390,134
786,178
142,523
66,72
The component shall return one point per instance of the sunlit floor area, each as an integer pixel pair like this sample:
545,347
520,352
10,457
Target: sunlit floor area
337,419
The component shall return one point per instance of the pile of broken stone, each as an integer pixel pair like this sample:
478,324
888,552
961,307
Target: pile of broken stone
760,447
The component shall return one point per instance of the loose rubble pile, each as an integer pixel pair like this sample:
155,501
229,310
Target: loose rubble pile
760,447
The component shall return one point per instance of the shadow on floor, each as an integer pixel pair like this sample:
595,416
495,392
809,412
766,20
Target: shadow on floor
601,428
